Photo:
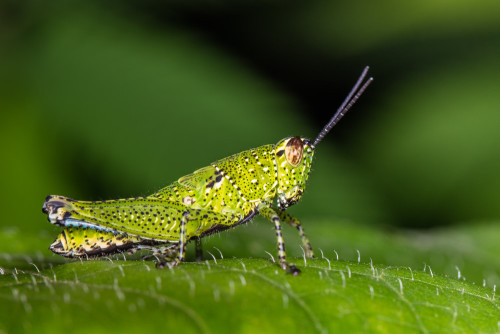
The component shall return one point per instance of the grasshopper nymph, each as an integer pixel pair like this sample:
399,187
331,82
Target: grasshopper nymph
265,180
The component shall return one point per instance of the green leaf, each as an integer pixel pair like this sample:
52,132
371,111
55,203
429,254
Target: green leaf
197,297
234,295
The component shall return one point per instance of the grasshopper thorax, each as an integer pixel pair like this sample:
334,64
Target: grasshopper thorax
293,162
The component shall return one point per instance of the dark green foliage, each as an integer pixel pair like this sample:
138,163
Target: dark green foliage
118,100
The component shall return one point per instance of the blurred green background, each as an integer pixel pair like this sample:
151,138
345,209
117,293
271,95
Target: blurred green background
118,99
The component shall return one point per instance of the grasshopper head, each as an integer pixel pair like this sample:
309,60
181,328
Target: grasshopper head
294,157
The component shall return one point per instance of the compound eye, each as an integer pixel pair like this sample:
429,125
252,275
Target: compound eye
293,151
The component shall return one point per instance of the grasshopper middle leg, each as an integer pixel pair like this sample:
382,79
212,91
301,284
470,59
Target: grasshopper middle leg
174,261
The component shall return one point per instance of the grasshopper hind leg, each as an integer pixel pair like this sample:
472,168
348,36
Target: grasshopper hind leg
169,250
166,256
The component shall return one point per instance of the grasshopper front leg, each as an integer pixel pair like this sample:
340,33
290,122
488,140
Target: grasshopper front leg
272,216
292,221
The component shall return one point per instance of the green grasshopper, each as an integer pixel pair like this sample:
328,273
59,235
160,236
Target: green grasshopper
265,180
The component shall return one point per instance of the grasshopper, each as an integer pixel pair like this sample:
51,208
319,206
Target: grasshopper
265,180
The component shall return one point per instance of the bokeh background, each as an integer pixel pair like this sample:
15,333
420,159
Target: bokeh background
113,99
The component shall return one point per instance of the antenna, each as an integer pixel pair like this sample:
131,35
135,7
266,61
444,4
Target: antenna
346,105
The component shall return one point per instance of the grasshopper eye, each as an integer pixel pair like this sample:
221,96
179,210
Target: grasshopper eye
293,151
